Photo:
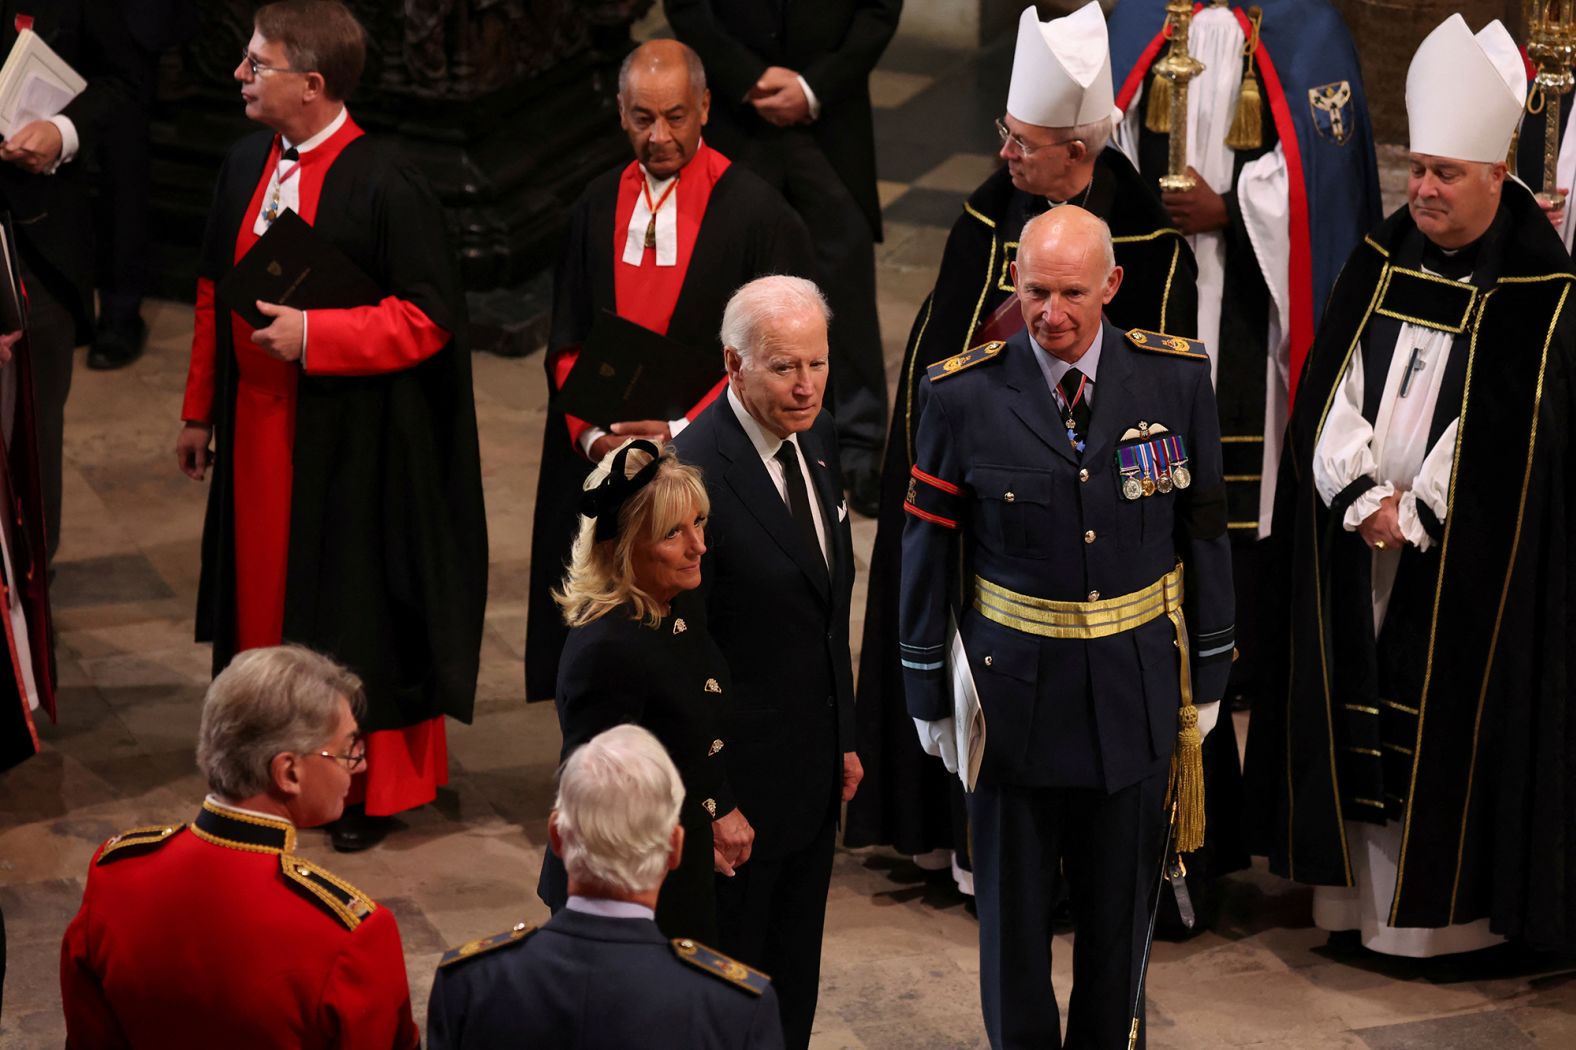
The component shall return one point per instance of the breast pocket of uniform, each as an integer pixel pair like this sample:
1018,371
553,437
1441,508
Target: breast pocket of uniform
1012,509
1147,491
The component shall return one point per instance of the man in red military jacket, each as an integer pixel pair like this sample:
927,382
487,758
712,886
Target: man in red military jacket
215,933
345,511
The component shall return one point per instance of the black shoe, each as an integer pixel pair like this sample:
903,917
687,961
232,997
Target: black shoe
355,831
117,344
864,491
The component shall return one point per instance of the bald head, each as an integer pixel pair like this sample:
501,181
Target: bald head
1066,231
1065,274
659,57
662,105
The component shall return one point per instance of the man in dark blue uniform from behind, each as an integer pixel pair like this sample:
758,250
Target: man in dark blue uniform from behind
599,974
1073,473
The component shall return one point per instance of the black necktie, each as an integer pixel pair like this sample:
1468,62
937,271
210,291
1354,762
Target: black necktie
290,154
1075,397
799,497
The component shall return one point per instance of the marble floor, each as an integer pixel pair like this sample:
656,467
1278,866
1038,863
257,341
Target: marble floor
900,965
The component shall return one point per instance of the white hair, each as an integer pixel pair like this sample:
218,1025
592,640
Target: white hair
618,802
1094,135
1032,228
746,319
283,699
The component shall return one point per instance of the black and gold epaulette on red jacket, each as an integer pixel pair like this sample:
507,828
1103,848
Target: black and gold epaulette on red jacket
255,833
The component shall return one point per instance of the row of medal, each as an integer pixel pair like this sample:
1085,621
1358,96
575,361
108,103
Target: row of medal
1158,464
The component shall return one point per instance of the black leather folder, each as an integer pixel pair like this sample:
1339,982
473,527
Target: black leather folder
627,372
293,265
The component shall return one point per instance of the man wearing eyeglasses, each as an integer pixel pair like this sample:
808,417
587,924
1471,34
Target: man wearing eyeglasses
346,505
215,932
1054,137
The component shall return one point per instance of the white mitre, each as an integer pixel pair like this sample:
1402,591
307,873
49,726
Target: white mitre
1061,72
1464,93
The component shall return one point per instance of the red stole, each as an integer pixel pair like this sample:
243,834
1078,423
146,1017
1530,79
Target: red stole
647,294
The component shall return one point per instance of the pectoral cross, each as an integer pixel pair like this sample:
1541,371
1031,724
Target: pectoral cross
1413,366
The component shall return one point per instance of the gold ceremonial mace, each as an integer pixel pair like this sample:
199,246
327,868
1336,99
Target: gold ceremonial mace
1178,67
1551,44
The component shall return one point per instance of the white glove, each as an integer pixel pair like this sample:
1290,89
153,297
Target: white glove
939,738
1208,715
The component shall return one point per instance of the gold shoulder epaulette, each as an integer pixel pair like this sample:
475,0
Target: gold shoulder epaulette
482,945
1161,343
719,965
967,359
342,900
137,841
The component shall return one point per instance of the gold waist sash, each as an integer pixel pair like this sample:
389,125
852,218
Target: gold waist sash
1102,619
1096,619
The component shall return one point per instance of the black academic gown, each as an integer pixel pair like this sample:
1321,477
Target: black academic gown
904,799
748,231
388,539
673,680
1484,661
22,496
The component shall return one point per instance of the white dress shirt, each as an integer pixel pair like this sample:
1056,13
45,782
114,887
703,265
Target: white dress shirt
609,909
290,189
766,446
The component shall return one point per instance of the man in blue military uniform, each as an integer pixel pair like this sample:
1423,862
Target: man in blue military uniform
599,973
1072,475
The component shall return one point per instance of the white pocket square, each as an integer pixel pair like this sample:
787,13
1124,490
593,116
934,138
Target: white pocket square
842,511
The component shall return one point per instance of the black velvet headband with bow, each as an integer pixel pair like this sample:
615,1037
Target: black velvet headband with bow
604,501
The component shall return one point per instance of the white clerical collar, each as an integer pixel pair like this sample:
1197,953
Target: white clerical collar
664,224
230,807
609,909
1054,367
766,443
321,137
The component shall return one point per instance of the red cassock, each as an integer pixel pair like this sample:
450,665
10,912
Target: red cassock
405,766
646,294
216,935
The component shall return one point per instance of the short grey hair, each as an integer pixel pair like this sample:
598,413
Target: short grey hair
618,802
1047,218
1094,135
692,64
746,318
283,699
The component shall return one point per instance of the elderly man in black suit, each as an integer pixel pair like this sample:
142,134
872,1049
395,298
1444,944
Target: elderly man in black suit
44,187
791,99
600,973
778,575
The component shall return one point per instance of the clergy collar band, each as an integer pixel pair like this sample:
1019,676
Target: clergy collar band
604,501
